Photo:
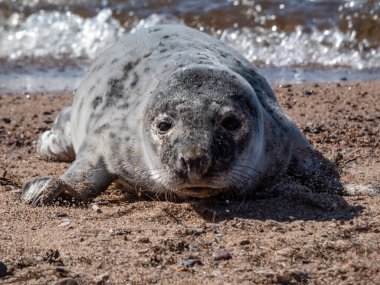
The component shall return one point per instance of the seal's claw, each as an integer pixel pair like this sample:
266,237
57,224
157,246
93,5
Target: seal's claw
43,191
38,191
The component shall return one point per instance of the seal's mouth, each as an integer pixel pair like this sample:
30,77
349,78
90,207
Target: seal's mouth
199,192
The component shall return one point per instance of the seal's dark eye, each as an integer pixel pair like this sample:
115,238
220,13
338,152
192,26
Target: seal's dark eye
231,123
163,127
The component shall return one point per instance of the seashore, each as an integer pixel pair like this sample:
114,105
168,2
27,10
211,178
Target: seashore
139,240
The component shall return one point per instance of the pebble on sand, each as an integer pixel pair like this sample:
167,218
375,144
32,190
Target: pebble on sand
66,281
96,208
221,255
191,262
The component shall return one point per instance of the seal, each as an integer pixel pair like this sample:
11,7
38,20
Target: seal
172,110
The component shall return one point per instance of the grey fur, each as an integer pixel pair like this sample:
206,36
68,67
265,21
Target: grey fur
172,110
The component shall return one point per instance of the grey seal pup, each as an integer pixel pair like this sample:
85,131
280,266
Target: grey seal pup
172,110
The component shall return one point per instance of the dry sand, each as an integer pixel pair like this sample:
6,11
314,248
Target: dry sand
131,240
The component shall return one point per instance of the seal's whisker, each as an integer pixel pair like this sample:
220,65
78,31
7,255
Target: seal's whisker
233,181
247,176
247,166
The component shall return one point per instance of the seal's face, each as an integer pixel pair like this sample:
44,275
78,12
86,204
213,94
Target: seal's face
199,131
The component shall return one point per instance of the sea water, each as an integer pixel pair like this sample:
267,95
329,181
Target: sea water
46,45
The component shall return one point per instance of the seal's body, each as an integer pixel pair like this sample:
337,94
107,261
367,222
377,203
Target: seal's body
171,109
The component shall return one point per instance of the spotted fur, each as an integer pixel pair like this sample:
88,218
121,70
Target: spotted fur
172,110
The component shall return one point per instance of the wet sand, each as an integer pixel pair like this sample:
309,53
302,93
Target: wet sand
131,240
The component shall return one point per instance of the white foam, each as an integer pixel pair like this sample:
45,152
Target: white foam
329,48
67,35
58,35
36,45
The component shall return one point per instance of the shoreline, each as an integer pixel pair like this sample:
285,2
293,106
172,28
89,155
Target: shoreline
42,78
271,240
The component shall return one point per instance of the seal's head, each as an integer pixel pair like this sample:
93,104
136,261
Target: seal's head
203,133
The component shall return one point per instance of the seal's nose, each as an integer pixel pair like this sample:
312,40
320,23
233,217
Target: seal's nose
194,165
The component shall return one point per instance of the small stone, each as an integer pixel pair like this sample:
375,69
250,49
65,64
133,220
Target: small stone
244,242
66,281
3,269
7,120
142,251
65,223
217,272
221,255
144,240
96,208
191,262
8,188
102,278
193,247
198,231
308,92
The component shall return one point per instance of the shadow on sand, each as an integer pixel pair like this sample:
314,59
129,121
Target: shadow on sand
293,204
282,208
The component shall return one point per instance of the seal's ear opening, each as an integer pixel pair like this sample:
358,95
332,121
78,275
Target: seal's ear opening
310,168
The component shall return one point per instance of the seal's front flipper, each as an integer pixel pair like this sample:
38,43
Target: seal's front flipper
311,169
44,191
82,181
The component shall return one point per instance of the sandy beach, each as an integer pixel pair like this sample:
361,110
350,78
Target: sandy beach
132,240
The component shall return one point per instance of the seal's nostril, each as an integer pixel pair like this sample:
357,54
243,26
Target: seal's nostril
195,165
204,161
183,162
187,163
